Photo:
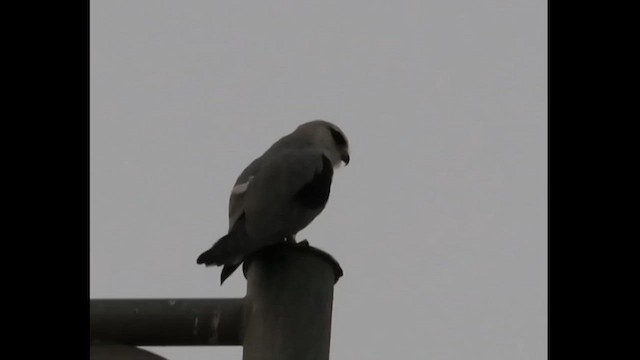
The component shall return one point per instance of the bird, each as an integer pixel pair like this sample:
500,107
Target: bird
279,193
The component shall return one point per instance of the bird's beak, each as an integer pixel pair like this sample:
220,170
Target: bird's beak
345,159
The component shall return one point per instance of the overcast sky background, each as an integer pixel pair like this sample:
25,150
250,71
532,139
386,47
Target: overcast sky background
439,221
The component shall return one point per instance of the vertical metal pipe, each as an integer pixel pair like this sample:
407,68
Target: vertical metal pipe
289,303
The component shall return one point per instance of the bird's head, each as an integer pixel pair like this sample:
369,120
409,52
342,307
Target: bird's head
330,138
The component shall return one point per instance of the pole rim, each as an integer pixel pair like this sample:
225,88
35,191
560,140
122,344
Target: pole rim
301,247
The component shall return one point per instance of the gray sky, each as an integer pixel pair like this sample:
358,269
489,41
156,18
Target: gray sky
439,221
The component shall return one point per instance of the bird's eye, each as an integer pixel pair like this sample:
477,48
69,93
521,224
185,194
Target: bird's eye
338,138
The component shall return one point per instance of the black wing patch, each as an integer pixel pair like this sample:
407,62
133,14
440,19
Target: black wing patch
315,193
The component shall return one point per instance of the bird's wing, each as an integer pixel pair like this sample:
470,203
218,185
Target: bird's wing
279,197
236,200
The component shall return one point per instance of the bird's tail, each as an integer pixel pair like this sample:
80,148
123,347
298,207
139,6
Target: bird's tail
227,270
229,250
221,253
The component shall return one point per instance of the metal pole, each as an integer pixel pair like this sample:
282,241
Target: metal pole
289,303
149,322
